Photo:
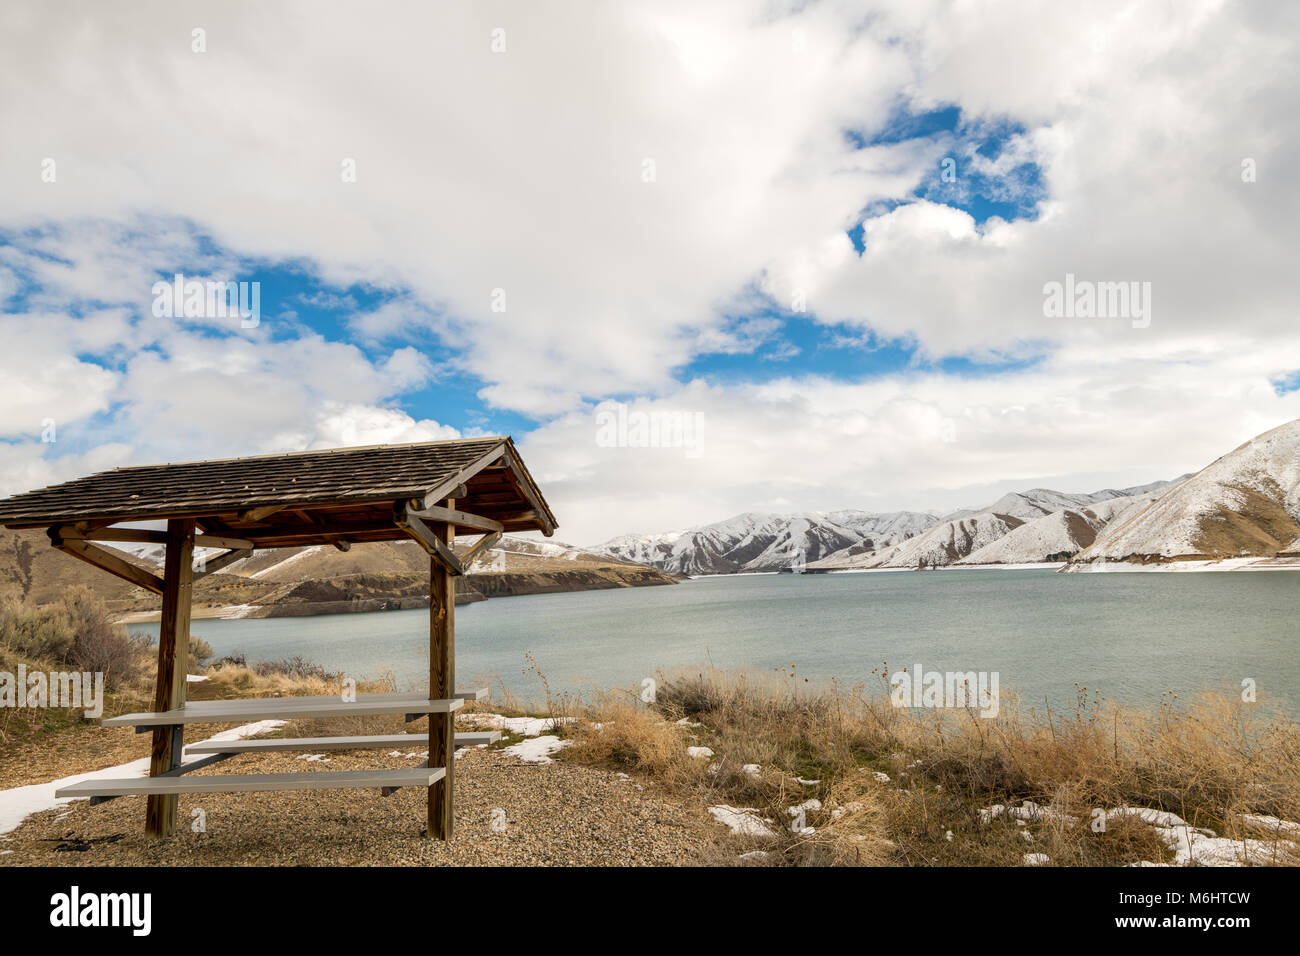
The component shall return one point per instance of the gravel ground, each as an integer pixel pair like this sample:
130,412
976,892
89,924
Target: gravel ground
555,814
86,747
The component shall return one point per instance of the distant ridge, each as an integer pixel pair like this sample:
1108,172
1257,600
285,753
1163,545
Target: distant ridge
898,539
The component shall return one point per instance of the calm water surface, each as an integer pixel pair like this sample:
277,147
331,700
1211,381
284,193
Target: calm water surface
1130,637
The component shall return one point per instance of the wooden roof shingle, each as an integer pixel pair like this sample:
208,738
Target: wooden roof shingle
341,481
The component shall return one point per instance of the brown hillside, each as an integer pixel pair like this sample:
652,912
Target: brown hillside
388,575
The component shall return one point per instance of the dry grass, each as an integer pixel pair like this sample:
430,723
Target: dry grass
76,633
1206,760
227,680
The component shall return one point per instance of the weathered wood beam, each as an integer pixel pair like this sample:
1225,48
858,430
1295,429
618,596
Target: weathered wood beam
459,518
106,560
173,658
315,520
221,541
121,534
507,517
478,547
269,536
257,514
525,486
442,682
446,489
213,565
426,538
153,537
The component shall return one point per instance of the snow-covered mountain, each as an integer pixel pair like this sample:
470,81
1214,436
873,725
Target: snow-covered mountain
1245,503
1062,534
864,539
944,544
883,530
1038,502
748,542
1053,537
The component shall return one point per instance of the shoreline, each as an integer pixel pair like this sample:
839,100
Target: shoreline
235,612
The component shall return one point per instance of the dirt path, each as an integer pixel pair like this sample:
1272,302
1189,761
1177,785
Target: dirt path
555,814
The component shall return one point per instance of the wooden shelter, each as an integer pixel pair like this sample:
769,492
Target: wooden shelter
428,492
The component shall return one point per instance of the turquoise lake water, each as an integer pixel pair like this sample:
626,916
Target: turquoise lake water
1128,636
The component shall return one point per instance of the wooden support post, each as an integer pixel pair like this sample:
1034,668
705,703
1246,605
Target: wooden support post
173,660
442,683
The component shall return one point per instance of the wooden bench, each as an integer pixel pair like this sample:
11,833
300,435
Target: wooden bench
383,779
412,705
380,742
287,708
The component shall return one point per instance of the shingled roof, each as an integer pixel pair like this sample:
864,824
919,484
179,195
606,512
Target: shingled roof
341,487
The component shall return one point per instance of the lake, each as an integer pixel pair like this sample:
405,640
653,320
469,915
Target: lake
1128,636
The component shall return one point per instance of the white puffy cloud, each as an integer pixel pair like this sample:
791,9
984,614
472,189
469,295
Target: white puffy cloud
1140,120
917,441
523,171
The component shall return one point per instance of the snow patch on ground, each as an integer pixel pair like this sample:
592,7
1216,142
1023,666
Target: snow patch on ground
537,749
1194,846
1271,823
742,821
1191,845
523,726
1149,815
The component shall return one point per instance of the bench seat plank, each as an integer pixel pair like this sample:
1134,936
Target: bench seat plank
255,782
380,742
287,708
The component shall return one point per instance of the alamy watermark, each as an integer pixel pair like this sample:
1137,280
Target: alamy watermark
184,298
132,911
55,689
618,426
1085,299
936,689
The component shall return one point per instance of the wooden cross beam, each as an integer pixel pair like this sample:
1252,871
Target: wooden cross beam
461,519
106,559
426,538
213,565
478,547
154,537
